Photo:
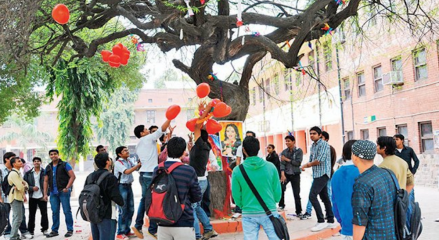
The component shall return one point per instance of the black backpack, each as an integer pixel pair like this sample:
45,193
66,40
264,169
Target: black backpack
91,204
407,222
162,203
3,217
6,188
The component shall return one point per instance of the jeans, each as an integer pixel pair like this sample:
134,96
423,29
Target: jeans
22,228
320,187
251,226
145,179
205,202
295,185
104,230
33,205
309,205
63,199
199,213
127,211
17,218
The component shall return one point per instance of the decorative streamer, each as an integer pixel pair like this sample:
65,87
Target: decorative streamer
310,45
288,43
181,34
243,40
228,33
189,9
301,67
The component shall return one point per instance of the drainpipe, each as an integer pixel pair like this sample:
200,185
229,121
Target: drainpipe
341,96
318,77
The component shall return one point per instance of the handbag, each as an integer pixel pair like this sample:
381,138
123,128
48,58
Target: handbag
279,224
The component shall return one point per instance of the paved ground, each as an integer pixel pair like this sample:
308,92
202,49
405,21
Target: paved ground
427,197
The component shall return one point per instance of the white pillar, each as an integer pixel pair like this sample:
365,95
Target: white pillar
81,165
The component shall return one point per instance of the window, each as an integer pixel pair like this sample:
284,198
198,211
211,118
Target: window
276,83
364,134
311,59
150,116
254,95
169,99
346,88
268,88
261,94
426,132
381,131
350,135
420,60
397,67
190,113
327,53
378,78
150,100
361,84
402,129
287,79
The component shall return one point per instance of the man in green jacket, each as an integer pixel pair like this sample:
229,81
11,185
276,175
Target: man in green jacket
265,178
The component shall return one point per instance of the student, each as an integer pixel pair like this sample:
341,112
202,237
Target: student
291,157
109,193
123,170
273,157
265,178
240,157
373,197
342,187
406,153
17,195
188,192
101,149
59,181
147,150
35,180
320,161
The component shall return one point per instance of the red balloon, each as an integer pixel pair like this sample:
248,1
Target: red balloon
203,90
114,60
215,102
106,55
191,124
124,59
61,14
220,110
212,126
228,110
172,112
118,49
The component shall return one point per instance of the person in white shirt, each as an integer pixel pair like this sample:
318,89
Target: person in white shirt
239,155
147,152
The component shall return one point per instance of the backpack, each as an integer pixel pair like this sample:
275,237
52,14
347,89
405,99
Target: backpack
6,188
162,203
407,214
3,217
91,204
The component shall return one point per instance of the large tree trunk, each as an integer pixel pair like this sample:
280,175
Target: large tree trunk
220,200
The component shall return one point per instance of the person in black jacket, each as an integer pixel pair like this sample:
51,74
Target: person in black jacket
273,157
35,180
110,194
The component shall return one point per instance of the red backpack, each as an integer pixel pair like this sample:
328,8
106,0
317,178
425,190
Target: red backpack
162,203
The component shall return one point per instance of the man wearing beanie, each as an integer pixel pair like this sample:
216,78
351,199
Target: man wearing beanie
373,196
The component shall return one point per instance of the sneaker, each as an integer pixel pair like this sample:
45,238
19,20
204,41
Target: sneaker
26,235
210,234
299,215
7,236
154,235
138,232
122,237
130,235
332,225
280,208
68,234
52,234
319,227
46,232
305,216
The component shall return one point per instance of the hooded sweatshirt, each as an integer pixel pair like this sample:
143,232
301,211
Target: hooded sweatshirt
264,177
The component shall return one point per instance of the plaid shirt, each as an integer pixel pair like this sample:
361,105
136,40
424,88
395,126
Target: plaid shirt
320,152
372,204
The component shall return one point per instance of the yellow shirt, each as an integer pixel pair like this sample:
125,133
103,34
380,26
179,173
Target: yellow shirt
401,170
18,186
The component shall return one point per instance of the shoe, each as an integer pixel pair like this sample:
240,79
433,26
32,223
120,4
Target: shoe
138,232
27,235
332,225
46,232
199,238
52,234
130,235
68,234
122,237
299,215
154,235
319,227
210,234
7,236
280,208
305,216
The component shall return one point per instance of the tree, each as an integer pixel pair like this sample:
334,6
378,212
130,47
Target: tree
117,119
208,30
168,75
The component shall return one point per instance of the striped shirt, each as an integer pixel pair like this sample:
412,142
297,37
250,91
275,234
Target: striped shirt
320,152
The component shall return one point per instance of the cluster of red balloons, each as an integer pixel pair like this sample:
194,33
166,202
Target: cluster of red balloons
119,56
61,14
220,109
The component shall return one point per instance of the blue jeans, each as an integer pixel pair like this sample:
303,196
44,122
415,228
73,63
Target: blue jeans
309,205
127,211
55,201
22,228
145,179
200,214
104,230
251,226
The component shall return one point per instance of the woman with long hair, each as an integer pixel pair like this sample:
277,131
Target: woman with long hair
232,140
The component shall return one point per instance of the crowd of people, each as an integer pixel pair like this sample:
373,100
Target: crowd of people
359,194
